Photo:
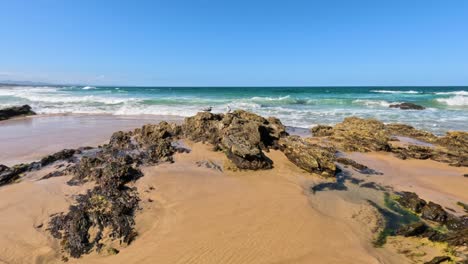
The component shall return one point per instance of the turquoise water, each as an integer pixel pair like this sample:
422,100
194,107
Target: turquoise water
447,107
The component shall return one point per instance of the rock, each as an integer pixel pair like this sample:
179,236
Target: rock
209,165
10,175
61,155
352,163
242,135
204,127
322,131
434,212
456,238
413,229
438,260
411,201
407,106
455,140
150,134
7,113
372,185
112,251
456,223
413,151
409,131
361,135
463,205
310,157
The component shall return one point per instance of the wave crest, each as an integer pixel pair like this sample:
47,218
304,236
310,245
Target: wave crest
396,92
458,100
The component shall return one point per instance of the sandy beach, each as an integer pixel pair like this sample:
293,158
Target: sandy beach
194,213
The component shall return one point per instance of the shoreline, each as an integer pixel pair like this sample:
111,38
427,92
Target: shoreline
234,216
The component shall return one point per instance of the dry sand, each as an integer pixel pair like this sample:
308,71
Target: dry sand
200,215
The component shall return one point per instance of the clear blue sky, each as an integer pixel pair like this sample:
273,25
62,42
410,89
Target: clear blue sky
240,42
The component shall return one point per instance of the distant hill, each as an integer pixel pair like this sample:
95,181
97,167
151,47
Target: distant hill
28,83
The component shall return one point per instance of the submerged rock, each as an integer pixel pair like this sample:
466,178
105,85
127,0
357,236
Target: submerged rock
413,229
310,157
7,113
407,106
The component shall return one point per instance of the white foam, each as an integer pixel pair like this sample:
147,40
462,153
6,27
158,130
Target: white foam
373,102
464,93
89,88
395,92
458,100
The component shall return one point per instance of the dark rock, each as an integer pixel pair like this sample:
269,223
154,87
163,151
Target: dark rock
52,175
310,157
434,212
438,260
322,131
243,136
456,223
407,106
352,163
10,175
413,229
61,155
15,111
372,185
360,167
411,201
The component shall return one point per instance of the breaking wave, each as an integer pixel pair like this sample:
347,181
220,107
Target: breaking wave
458,100
395,92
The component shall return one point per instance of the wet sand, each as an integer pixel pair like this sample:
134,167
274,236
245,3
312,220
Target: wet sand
29,138
193,214
431,180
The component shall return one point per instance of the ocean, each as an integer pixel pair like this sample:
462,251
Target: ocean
304,107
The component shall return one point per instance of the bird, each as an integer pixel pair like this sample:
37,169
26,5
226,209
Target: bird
207,109
228,109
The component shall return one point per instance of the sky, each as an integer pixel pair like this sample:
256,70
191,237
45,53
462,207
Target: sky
235,43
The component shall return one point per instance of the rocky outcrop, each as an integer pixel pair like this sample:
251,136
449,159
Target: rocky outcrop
364,135
242,135
15,111
310,157
411,132
411,201
322,131
407,106
107,210
361,135
434,213
352,163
